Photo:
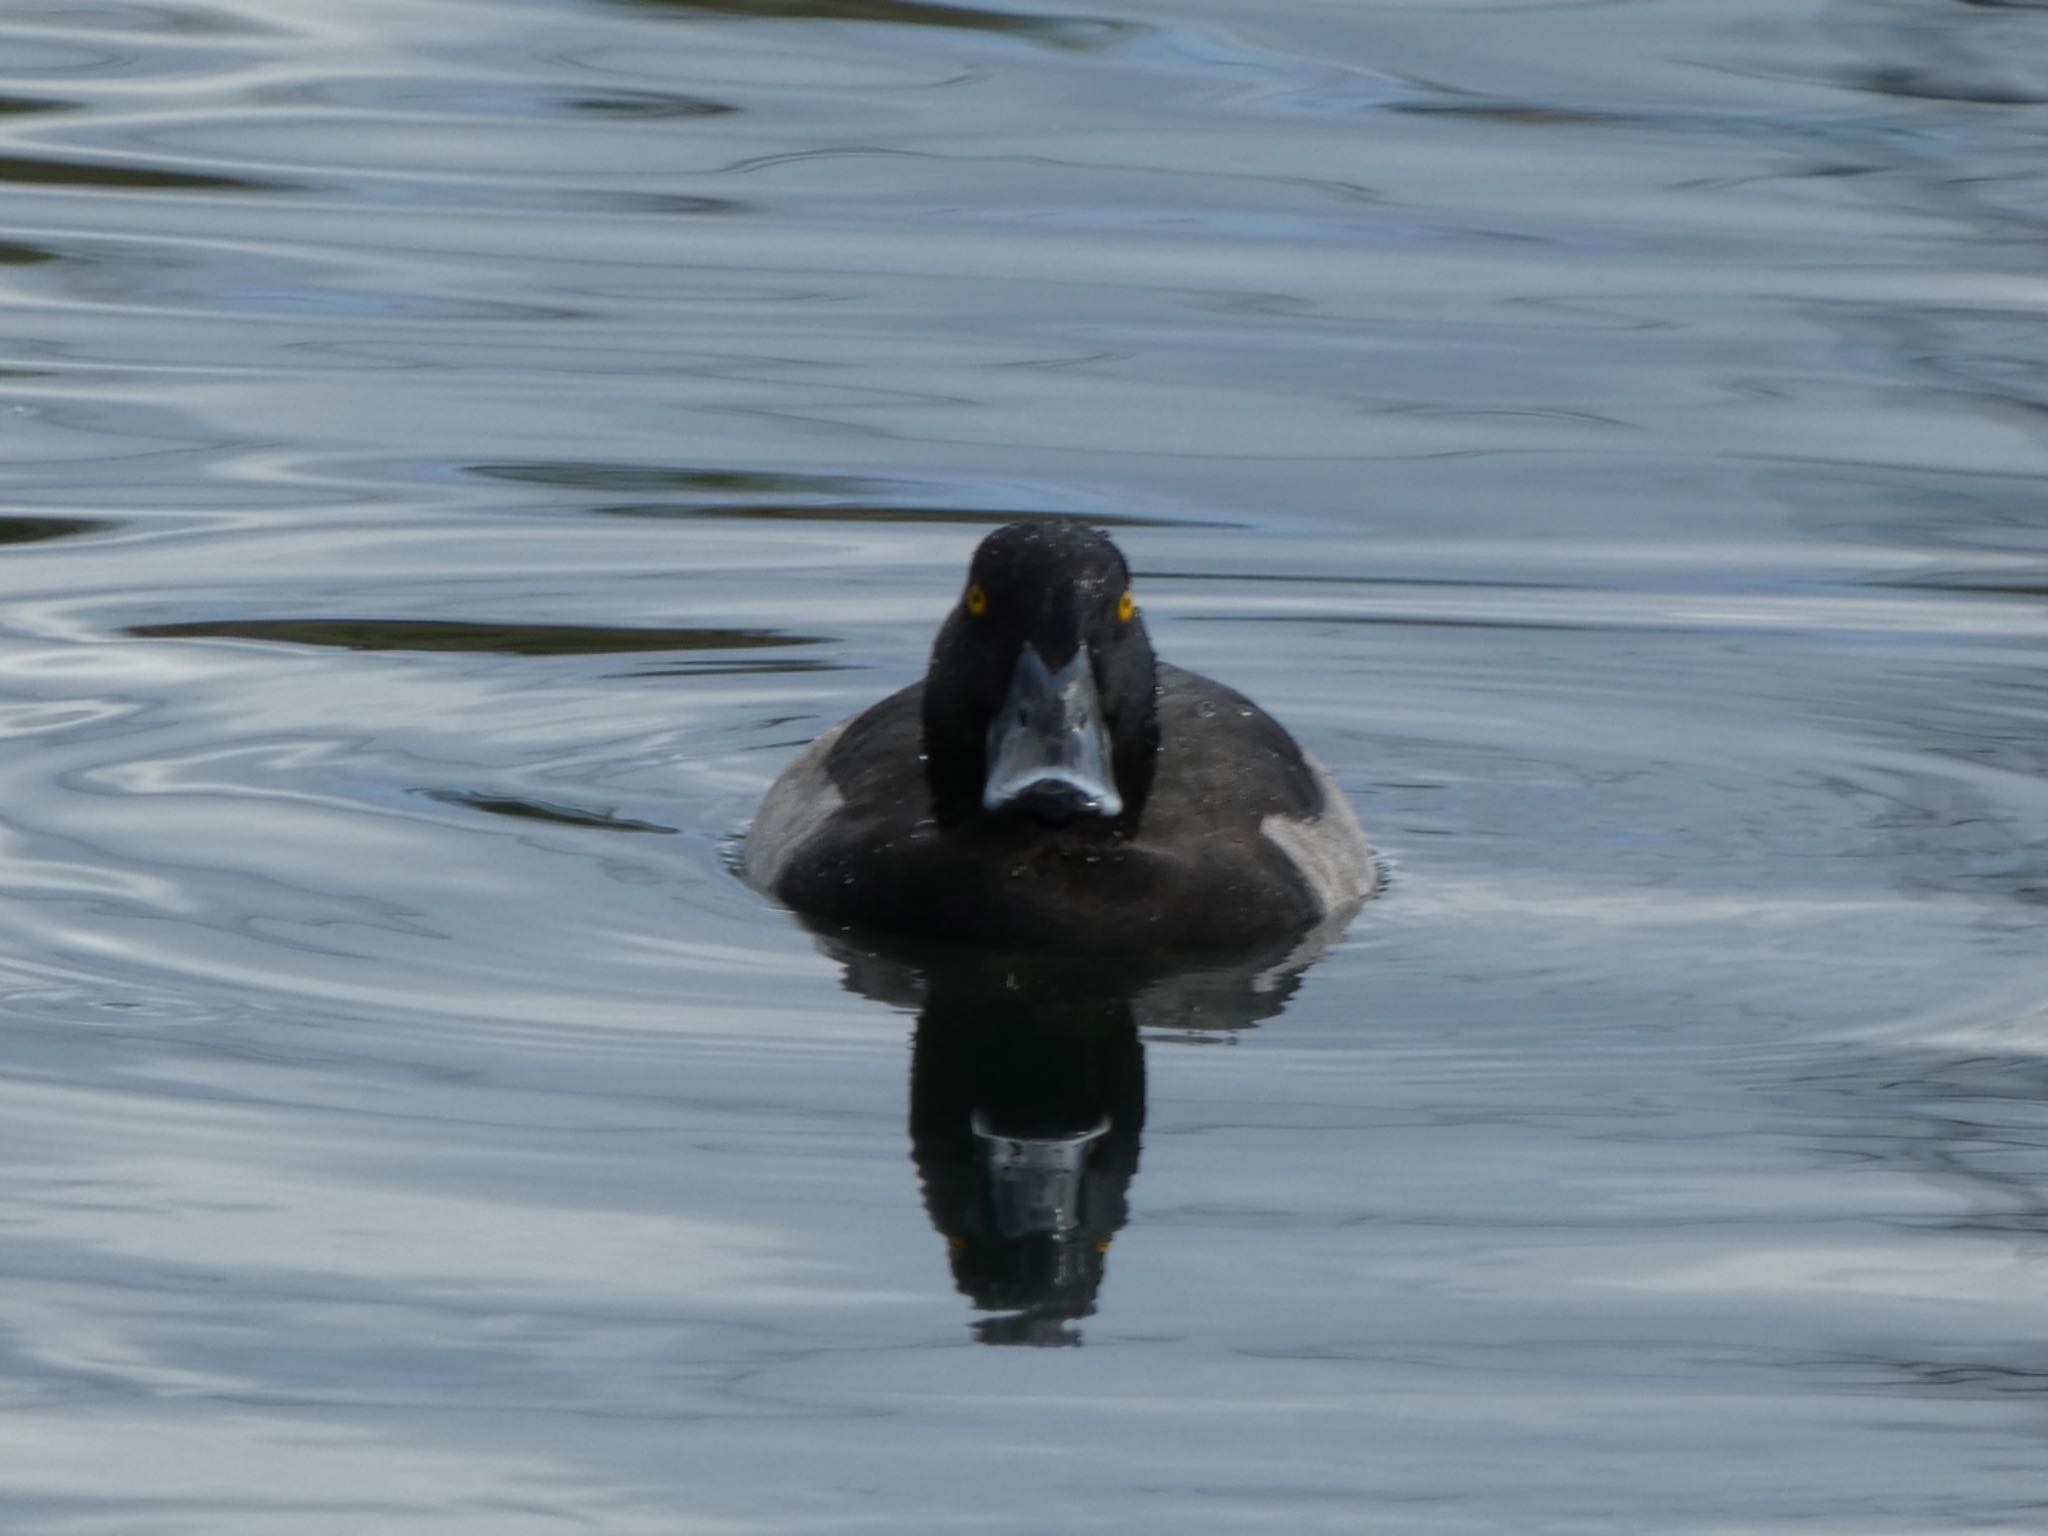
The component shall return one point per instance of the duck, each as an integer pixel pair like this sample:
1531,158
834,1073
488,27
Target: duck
1050,785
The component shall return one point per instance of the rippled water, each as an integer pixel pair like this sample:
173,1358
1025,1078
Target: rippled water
454,453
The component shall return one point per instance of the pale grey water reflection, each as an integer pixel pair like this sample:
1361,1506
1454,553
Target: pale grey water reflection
453,454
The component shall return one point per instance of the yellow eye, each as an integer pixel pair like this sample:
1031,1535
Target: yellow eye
977,600
1126,606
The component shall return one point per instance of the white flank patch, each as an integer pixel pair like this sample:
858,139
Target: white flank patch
1329,851
799,803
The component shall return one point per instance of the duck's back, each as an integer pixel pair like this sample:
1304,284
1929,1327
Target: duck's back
1243,838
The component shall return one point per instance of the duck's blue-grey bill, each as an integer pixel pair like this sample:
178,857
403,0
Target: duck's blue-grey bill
1049,748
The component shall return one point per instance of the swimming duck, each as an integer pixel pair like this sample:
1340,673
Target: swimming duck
1050,784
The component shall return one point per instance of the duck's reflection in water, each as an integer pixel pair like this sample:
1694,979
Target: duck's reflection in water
1027,1104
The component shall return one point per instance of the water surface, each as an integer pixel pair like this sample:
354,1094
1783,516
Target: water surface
453,455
